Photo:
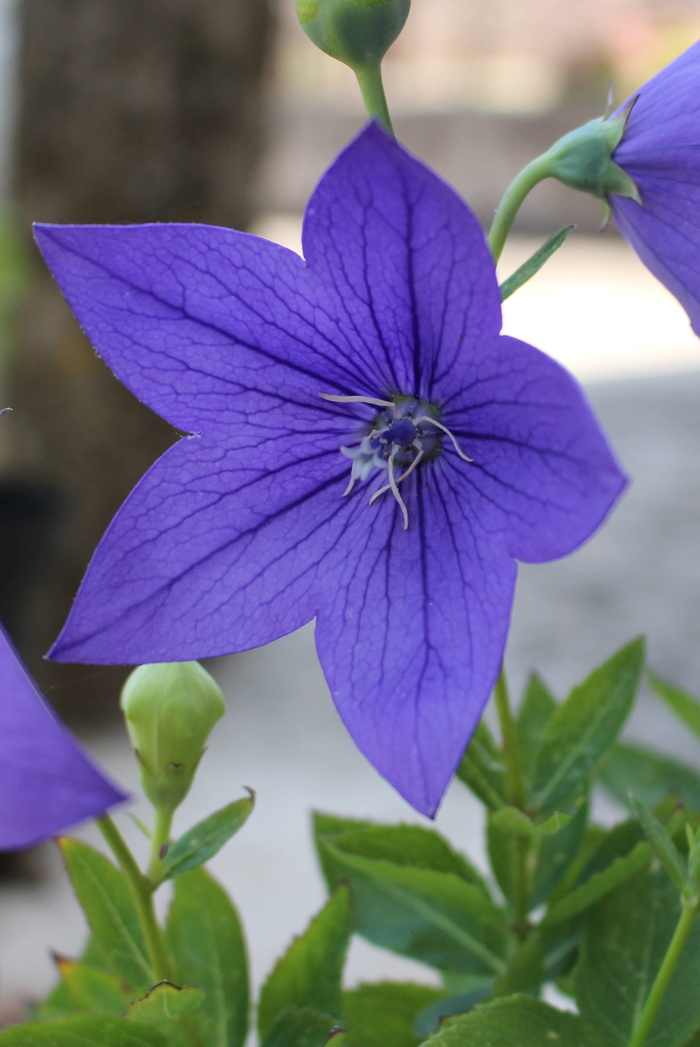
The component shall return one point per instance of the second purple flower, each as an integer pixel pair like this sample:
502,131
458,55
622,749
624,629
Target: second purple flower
367,449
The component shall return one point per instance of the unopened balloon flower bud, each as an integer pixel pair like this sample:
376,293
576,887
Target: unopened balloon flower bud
356,32
170,710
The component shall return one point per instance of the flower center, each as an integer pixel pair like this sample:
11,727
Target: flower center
405,433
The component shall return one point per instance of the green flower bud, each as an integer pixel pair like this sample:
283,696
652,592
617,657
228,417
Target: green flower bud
170,709
583,159
356,32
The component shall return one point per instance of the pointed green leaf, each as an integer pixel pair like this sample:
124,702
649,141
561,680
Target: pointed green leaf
203,841
431,916
684,705
556,854
401,844
533,265
384,1014
626,938
600,884
310,972
673,862
482,769
584,727
432,1018
84,1031
205,941
514,822
649,775
301,1028
165,1003
108,905
516,1021
537,709
93,991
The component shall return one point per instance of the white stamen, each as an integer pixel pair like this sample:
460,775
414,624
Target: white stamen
387,487
356,400
395,492
350,486
434,421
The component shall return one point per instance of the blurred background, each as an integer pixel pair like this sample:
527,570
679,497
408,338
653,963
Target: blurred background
221,111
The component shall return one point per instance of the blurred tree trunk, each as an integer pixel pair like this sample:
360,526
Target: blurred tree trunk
128,111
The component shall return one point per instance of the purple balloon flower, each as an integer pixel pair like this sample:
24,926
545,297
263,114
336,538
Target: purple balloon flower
46,781
660,151
369,451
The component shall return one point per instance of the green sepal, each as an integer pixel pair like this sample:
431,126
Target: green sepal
516,1020
206,838
107,902
533,265
583,728
205,942
302,1028
387,1014
626,939
583,159
84,1031
649,775
310,972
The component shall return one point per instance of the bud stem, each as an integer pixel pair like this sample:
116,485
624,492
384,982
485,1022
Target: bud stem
159,840
143,897
536,171
369,77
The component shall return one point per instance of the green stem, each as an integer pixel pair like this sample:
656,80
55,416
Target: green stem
515,784
670,962
370,80
511,203
142,895
159,840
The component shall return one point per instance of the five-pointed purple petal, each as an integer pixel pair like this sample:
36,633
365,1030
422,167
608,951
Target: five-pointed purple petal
660,150
47,783
240,533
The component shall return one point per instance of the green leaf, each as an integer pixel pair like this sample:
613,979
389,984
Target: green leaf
91,990
514,822
537,709
166,1003
104,895
311,971
673,862
626,938
584,727
533,265
482,769
400,844
680,702
434,917
383,1015
84,1031
430,1020
556,854
516,1021
598,885
649,775
207,837
205,941
301,1028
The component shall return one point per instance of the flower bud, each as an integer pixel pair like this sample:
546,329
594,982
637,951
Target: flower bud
170,709
356,32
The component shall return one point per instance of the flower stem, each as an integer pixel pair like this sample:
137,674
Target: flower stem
515,784
369,78
513,198
159,841
658,990
142,895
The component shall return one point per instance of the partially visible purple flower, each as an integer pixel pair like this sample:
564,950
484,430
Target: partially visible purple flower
660,151
368,450
47,783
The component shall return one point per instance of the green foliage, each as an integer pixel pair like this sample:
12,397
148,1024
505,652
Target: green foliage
649,775
516,1022
84,1031
309,974
164,1006
482,769
537,709
301,1028
673,862
431,915
105,897
555,855
533,265
684,705
206,838
90,990
205,941
624,943
584,727
385,1014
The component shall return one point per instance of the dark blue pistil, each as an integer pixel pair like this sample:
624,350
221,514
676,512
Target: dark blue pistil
402,432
